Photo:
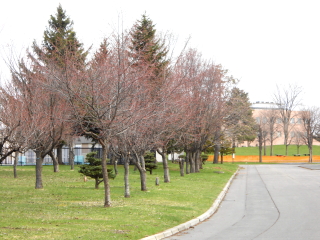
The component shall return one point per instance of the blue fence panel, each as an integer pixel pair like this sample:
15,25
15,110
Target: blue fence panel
22,160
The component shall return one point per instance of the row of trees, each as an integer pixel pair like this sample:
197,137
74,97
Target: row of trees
129,97
288,119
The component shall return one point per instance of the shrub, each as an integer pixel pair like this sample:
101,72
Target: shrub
94,169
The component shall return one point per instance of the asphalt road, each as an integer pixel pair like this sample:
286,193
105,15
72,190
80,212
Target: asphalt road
275,201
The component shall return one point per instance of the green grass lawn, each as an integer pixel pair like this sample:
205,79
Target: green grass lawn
278,149
69,208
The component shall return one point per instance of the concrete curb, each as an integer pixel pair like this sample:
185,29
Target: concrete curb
193,222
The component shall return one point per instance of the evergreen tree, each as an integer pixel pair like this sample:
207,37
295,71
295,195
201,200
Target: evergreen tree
150,161
59,46
147,48
60,39
100,56
239,121
204,157
94,169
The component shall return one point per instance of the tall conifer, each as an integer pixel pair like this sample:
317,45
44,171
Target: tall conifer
148,48
60,41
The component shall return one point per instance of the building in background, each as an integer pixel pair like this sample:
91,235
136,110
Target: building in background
268,118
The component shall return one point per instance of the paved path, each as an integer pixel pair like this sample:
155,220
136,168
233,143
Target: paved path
273,201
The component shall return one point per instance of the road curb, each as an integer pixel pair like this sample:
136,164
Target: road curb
193,222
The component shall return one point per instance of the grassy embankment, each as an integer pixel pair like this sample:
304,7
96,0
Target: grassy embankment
278,149
69,208
251,154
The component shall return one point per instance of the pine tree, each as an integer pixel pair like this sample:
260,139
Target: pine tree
59,46
147,48
204,157
94,169
240,122
100,56
60,39
150,161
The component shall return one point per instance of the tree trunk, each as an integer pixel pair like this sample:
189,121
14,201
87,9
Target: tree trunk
187,162
143,173
310,150
96,186
107,196
192,162
59,154
310,155
260,144
201,164
15,163
260,152
39,160
271,149
181,165
71,157
166,174
142,162
200,161
126,177
114,161
54,161
115,166
196,161
216,154
143,179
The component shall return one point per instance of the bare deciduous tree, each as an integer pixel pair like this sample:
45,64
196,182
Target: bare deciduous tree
108,98
42,121
204,88
12,141
287,100
311,125
270,126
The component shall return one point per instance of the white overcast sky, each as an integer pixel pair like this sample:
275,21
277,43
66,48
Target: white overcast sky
264,43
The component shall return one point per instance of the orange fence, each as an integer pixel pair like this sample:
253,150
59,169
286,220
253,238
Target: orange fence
271,159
